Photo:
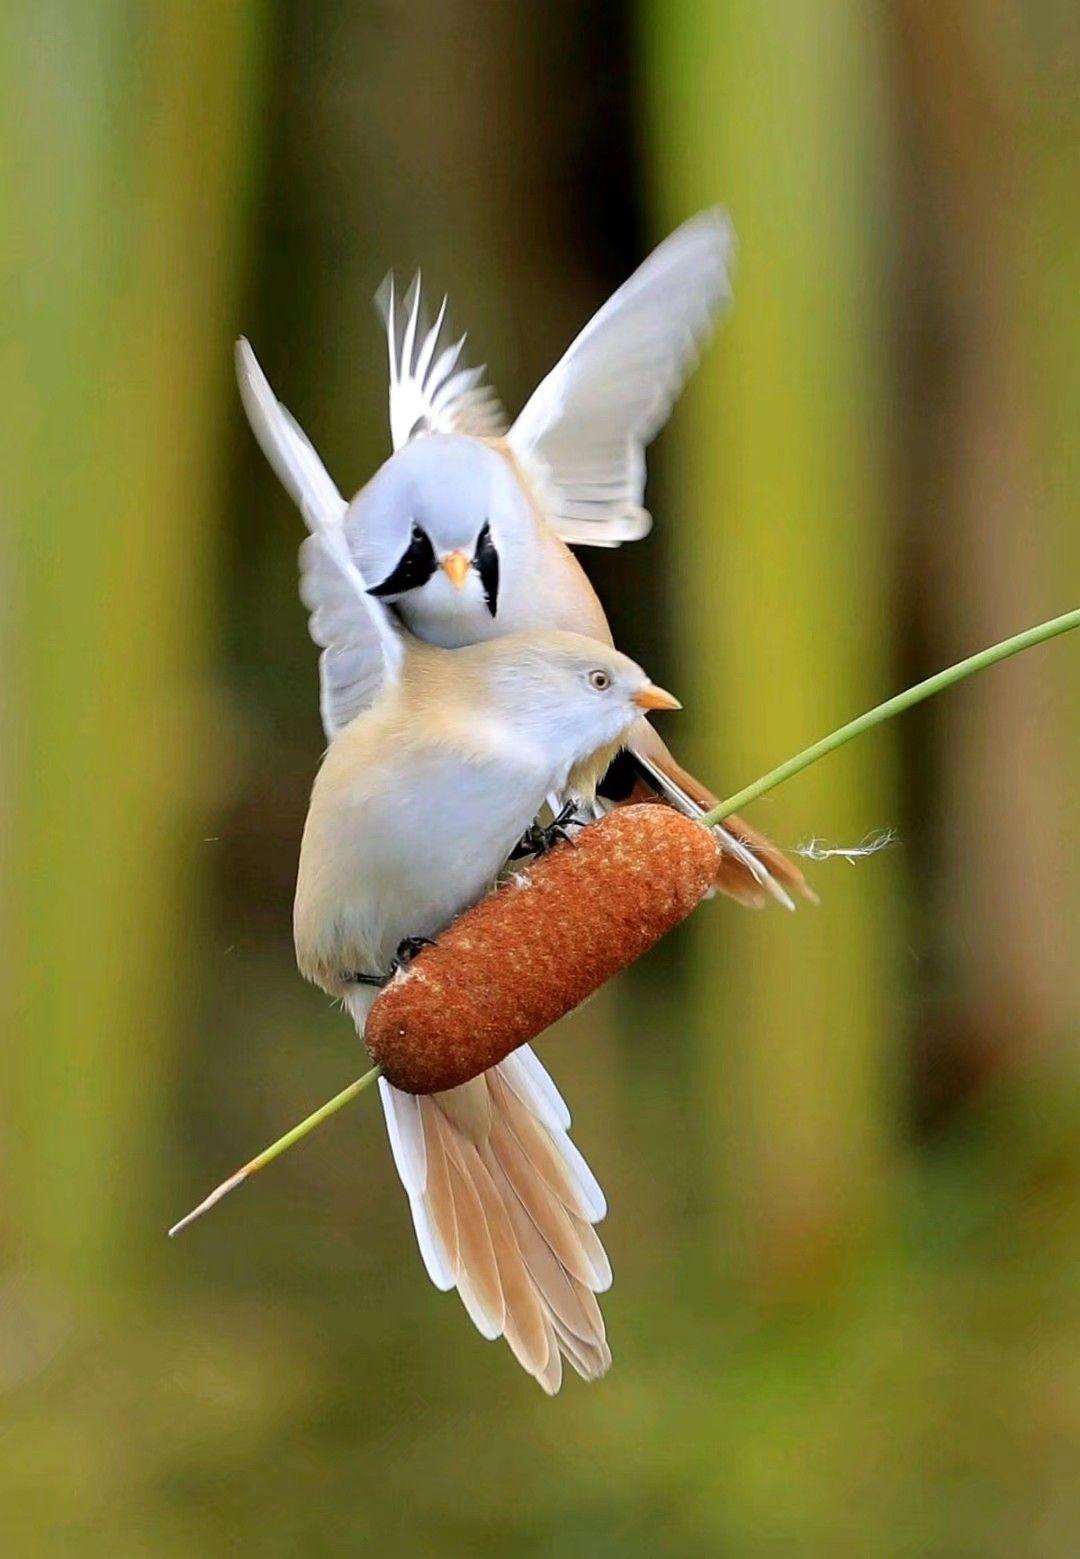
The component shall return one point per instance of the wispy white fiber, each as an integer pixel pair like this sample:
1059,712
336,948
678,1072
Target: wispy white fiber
815,849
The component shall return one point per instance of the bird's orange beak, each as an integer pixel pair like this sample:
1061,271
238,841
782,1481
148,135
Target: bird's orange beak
456,565
655,698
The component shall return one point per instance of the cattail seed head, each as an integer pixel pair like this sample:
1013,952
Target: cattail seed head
539,945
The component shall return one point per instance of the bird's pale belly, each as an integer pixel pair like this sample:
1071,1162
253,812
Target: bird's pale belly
420,866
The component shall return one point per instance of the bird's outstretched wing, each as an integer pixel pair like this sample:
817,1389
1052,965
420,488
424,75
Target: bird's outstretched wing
361,646
582,433
429,391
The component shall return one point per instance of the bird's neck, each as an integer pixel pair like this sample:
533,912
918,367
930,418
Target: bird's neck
586,775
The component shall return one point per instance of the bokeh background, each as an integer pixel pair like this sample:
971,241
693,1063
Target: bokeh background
841,1148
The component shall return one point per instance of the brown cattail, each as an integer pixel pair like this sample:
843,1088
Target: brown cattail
536,947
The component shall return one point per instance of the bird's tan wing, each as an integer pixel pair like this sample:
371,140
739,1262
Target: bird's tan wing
504,1206
431,390
360,645
583,431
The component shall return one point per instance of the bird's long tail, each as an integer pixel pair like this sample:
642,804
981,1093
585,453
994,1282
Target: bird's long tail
752,869
504,1206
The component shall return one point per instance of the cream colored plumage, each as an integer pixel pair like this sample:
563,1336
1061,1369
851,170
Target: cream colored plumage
417,804
465,528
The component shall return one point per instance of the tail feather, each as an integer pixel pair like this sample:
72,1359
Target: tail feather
546,1211
406,1133
524,1320
544,1154
504,1205
523,1074
432,1253
476,1253
550,1377
594,1253
589,1359
553,1283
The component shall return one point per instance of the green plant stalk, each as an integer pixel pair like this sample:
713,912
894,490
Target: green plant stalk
891,706
793,766
268,1155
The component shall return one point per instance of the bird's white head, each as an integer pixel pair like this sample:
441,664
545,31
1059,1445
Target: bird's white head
572,696
435,530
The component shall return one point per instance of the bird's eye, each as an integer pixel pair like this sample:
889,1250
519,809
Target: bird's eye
599,680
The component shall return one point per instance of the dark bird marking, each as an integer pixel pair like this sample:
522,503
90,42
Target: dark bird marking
415,567
486,563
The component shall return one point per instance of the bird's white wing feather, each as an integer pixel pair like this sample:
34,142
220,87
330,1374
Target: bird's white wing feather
361,647
286,445
351,666
582,433
431,391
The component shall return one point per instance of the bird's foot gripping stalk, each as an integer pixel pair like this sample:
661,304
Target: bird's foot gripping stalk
407,950
541,838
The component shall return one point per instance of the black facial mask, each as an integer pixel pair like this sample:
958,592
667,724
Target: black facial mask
414,568
486,563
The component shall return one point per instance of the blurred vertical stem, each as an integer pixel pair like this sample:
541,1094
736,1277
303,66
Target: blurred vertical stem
776,490
129,140
988,106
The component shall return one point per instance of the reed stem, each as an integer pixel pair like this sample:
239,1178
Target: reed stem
892,706
268,1155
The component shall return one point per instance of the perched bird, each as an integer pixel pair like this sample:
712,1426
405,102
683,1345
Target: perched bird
464,529
418,803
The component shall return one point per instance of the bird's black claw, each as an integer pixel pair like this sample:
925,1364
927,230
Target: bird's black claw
528,844
408,948
538,840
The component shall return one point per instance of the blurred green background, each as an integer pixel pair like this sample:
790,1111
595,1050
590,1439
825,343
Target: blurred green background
841,1148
